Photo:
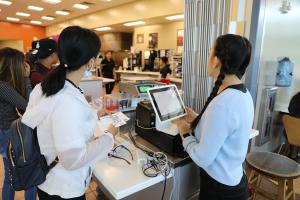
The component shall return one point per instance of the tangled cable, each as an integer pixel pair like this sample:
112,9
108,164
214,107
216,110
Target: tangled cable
157,163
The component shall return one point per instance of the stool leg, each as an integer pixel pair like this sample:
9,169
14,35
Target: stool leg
257,184
281,189
291,189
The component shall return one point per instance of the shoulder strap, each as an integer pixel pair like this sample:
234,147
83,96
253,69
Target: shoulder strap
53,164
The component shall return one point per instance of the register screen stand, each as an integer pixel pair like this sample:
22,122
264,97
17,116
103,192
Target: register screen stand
166,127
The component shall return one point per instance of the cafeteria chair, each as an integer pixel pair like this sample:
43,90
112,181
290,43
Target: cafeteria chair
292,128
276,168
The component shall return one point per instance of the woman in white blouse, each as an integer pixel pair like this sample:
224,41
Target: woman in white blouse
221,130
65,121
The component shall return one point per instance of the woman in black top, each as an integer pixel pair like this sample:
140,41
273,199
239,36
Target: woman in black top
294,106
165,67
15,88
108,66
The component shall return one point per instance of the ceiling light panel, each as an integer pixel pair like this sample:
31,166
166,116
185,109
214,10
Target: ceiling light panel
175,17
35,22
7,3
81,6
13,19
62,12
134,23
103,29
48,18
35,8
23,14
52,1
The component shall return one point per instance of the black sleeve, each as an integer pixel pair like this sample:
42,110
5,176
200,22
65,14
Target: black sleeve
28,87
294,105
10,95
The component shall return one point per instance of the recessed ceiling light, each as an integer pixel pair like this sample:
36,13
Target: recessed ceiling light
81,6
175,17
36,8
22,14
35,22
62,12
134,23
103,28
7,3
13,19
52,1
48,18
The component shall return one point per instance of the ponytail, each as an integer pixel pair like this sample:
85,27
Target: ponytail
76,46
55,81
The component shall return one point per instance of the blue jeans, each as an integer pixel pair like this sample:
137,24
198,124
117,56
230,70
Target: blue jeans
8,192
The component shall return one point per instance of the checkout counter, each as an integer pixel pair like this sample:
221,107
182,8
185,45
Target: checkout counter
120,180
131,75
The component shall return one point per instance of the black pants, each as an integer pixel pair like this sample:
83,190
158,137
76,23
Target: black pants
109,87
44,196
210,189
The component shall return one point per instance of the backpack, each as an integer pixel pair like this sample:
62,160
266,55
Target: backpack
27,166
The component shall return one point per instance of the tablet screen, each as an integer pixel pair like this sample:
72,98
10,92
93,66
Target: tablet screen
167,103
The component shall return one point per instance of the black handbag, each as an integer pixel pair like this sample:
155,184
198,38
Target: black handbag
27,166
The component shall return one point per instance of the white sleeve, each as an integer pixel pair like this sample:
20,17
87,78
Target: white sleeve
95,150
216,125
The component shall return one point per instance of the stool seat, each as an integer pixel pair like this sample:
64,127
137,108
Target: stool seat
273,165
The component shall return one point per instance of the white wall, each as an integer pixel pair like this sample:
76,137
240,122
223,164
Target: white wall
282,38
167,35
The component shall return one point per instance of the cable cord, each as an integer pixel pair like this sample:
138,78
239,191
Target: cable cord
157,163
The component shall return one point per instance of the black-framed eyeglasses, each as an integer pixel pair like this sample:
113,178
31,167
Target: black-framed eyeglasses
113,153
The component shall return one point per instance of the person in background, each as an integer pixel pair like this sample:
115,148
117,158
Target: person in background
30,56
15,88
65,121
294,110
46,57
108,67
221,131
294,106
165,70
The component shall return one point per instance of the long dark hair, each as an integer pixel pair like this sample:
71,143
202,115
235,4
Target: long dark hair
234,53
12,68
76,46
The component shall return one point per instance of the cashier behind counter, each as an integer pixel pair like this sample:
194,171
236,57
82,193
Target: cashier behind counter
108,67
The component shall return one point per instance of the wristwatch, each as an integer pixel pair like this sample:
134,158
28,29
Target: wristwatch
186,135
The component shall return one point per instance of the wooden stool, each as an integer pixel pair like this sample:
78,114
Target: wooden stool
273,167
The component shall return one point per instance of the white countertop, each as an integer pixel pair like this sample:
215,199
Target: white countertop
137,72
176,80
282,108
121,179
94,78
139,78
253,133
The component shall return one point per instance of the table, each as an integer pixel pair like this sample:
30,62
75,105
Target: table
92,86
129,75
119,180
